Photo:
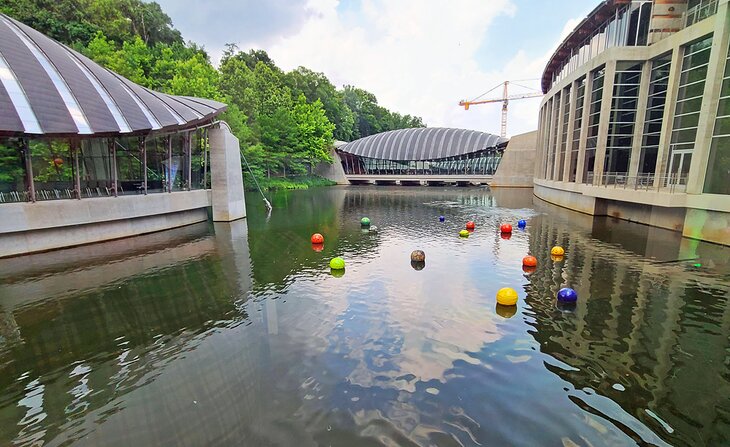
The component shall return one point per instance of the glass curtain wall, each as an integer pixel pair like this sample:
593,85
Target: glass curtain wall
130,165
53,171
577,125
564,133
547,125
717,180
594,119
628,26
622,121
477,163
656,101
555,128
13,181
687,111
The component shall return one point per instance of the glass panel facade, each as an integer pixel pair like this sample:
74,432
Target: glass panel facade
594,119
628,26
476,163
555,128
622,119
654,113
689,102
577,125
717,180
564,134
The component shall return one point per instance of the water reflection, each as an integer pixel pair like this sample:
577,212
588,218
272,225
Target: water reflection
240,333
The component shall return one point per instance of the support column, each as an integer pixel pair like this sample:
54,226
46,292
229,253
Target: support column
569,134
582,143
189,160
77,173
169,164
711,95
551,137
227,195
605,118
643,100
665,137
559,135
112,149
28,169
143,150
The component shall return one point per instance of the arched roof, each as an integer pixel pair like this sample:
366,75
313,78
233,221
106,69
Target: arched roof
423,143
47,88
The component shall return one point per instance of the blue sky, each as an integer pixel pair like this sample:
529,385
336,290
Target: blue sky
418,57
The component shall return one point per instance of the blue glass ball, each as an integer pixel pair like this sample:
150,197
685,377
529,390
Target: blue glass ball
442,218
567,295
521,223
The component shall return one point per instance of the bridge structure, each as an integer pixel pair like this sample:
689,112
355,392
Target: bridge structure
433,156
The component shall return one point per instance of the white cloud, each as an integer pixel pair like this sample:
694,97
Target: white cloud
417,57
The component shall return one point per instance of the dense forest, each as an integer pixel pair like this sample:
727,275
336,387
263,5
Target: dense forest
285,121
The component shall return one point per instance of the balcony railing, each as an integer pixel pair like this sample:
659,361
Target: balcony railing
671,183
701,11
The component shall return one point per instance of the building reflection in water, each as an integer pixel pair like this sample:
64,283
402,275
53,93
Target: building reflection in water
237,334
651,327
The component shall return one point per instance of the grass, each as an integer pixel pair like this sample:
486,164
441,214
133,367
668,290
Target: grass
279,183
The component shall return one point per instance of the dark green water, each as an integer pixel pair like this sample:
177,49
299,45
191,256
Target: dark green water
239,335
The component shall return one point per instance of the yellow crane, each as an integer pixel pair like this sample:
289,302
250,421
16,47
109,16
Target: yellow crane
505,99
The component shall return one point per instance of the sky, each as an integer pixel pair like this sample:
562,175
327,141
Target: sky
419,57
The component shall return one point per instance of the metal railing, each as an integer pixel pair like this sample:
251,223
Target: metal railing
701,11
671,183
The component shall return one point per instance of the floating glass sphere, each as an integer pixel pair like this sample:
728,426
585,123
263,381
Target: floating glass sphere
529,261
557,251
568,295
337,264
464,233
365,221
317,238
521,223
470,225
505,228
507,296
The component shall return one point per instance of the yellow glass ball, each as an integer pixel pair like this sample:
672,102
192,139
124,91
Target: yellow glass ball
557,251
507,296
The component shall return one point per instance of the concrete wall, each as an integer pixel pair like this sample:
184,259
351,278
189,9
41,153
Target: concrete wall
332,171
566,199
12,244
226,176
517,167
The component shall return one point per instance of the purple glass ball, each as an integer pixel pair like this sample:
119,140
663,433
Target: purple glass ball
567,295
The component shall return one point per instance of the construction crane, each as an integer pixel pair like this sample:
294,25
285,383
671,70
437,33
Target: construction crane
505,99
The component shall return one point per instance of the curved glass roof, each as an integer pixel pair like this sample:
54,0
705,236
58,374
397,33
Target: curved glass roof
424,143
47,88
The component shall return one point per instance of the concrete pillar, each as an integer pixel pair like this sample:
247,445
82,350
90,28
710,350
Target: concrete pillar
665,137
226,174
559,136
551,140
584,129
643,100
708,113
571,127
605,118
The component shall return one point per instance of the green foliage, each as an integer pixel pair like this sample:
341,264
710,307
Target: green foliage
79,21
285,122
11,166
279,183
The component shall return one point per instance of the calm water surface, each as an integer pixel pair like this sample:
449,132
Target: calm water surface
238,334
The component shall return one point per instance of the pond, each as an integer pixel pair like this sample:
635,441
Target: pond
239,334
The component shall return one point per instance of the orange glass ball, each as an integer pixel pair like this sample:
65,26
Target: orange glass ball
529,261
470,225
317,238
505,228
